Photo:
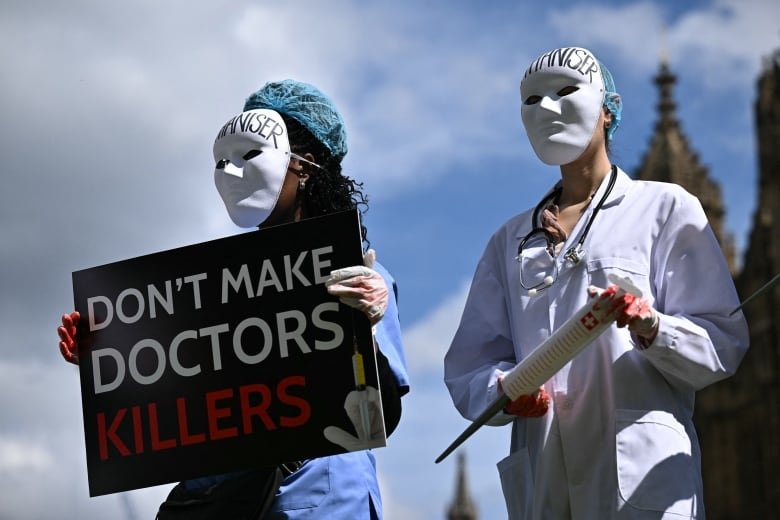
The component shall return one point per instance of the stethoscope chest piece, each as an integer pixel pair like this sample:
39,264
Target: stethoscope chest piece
574,255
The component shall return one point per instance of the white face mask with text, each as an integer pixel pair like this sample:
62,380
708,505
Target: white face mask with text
251,155
562,94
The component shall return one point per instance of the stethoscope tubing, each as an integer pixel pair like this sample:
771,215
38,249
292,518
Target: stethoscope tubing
574,253
543,203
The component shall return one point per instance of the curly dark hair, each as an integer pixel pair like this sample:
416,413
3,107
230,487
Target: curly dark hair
328,190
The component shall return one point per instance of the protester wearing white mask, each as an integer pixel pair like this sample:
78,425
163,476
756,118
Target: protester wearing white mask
563,93
278,162
610,436
251,154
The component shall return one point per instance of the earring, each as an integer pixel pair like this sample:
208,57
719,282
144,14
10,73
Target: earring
301,184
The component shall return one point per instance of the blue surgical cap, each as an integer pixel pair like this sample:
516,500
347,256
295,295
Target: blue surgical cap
611,100
307,105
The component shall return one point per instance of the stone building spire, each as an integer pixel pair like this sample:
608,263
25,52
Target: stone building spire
763,253
670,158
462,507
737,419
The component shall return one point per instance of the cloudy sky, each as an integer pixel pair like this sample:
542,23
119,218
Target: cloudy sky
110,110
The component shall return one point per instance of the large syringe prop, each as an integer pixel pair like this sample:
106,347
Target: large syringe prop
551,355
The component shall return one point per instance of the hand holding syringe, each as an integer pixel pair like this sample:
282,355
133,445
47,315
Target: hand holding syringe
587,324
580,330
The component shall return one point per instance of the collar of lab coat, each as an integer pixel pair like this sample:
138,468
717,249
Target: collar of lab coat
622,185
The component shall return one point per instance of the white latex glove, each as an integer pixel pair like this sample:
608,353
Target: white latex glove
363,408
361,287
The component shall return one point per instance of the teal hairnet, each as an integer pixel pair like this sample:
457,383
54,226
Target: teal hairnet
611,100
307,105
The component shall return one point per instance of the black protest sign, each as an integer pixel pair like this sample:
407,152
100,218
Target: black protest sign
224,355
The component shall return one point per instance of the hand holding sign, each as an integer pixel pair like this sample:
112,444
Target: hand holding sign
221,356
361,287
67,332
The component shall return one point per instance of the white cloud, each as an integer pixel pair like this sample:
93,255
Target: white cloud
411,479
429,423
719,45
410,106
394,506
427,341
17,455
631,30
42,455
724,44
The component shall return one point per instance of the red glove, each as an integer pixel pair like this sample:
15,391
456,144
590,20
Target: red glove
640,318
633,312
532,405
67,332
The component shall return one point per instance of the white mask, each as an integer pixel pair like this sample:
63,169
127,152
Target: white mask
251,152
562,94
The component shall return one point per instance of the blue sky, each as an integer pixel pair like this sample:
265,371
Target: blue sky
109,115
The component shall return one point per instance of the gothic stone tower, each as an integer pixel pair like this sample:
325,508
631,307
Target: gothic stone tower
670,158
739,419
462,507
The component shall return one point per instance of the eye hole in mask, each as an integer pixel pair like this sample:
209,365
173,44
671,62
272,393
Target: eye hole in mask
251,154
235,169
565,91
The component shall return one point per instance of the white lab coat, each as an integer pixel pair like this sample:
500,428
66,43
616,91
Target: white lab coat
618,441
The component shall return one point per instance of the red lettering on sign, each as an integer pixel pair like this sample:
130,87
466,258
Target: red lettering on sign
138,429
184,432
260,410
154,430
104,436
253,400
302,404
214,414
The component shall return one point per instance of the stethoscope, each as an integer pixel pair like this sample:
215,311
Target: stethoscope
574,254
